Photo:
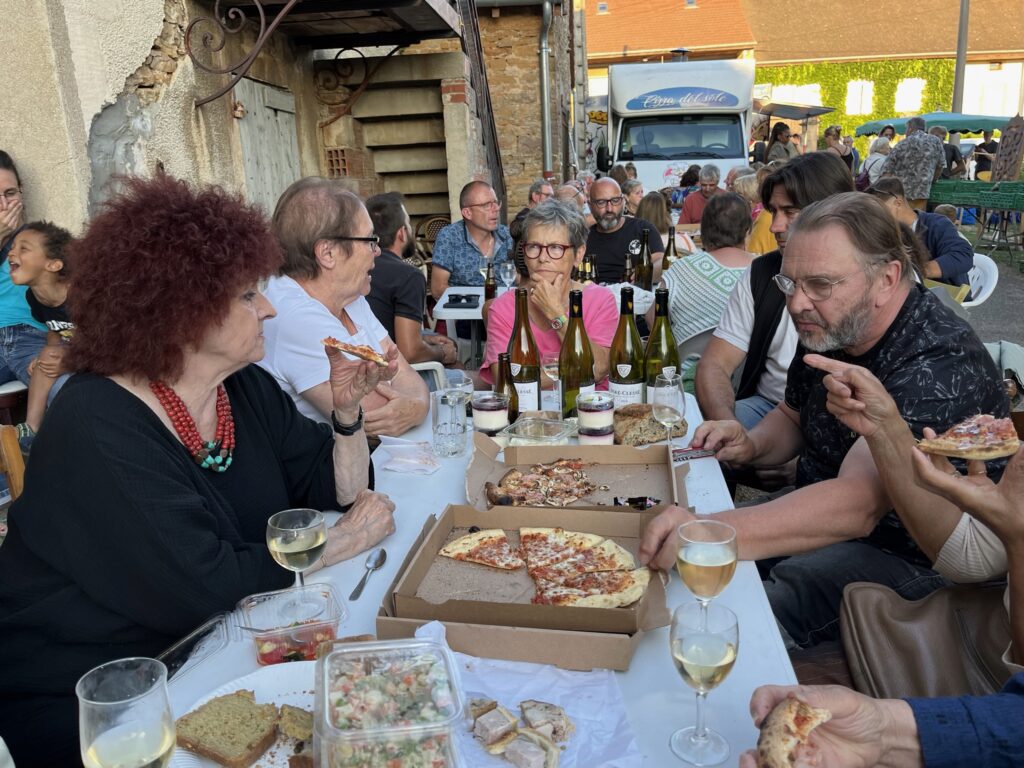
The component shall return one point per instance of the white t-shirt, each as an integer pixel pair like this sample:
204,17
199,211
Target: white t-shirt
737,326
294,354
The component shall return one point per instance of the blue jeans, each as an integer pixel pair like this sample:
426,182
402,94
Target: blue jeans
19,345
805,590
751,410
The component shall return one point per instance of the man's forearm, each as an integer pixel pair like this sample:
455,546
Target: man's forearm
777,439
714,393
424,352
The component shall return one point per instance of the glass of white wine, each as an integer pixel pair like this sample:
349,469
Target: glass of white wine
704,648
124,715
706,559
668,402
296,539
549,365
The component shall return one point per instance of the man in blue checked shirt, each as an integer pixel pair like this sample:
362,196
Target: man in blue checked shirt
462,249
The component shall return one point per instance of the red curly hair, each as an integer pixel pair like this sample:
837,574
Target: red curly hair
157,269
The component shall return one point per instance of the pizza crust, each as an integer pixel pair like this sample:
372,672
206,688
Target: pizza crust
360,351
785,730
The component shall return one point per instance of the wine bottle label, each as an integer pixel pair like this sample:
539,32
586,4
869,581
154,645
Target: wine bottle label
623,370
516,367
668,370
529,395
625,394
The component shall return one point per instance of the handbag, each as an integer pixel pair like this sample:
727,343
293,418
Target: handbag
950,643
863,180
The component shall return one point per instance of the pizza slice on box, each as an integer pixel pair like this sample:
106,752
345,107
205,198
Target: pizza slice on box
486,548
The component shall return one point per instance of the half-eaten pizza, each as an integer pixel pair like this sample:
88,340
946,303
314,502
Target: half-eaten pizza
982,438
554,484
786,731
361,351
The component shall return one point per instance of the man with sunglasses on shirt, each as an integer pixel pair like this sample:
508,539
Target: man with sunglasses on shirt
614,234
850,292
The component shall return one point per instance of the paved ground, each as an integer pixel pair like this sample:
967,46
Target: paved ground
1001,318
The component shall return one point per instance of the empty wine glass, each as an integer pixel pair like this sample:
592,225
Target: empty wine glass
669,402
549,364
507,273
704,649
124,715
296,539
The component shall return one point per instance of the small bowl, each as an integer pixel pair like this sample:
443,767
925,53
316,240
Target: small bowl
289,624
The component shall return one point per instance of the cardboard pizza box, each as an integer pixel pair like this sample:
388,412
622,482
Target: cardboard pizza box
624,470
429,586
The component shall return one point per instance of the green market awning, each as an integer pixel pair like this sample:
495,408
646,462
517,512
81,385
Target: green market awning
953,121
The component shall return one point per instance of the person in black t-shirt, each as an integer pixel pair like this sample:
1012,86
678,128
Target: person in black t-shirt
850,293
614,234
398,290
984,155
39,260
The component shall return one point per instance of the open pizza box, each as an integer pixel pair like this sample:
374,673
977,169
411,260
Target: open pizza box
625,470
488,612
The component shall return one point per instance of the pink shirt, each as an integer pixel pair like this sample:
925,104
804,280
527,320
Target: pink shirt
600,318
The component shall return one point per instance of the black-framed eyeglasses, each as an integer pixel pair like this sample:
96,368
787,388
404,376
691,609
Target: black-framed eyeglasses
814,288
610,201
373,240
10,194
553,250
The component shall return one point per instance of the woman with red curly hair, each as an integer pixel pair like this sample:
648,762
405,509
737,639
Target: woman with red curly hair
152,478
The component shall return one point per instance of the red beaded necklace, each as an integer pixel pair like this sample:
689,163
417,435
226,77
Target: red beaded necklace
214,455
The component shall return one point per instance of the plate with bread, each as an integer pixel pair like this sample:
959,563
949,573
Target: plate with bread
265,717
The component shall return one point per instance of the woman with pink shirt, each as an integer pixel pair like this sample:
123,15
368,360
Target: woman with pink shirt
554,243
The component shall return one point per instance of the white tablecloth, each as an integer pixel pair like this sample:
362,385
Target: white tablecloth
657,700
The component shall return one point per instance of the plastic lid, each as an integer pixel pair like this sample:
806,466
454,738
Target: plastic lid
284,608
541,430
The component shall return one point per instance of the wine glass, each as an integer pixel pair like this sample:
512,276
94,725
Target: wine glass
669,402
706,560
296,539
507,273
124,715
458,386
549,364
704,649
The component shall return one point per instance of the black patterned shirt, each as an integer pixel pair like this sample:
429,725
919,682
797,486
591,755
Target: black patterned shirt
937,371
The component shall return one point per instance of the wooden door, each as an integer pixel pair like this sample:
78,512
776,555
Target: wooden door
270,146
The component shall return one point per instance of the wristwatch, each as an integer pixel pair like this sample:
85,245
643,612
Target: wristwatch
559,322
347,430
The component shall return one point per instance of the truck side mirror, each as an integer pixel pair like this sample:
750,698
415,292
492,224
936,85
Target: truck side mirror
604,163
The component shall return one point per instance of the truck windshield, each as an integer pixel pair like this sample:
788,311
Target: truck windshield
673,137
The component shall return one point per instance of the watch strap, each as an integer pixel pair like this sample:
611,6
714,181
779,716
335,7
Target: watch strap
347,430
559,322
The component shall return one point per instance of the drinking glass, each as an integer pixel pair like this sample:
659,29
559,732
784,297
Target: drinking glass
549,364
669,402
448,417
706,560
507,273
124,715
460,387
704,648
296,539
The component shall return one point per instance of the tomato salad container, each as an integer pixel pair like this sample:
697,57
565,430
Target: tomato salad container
388,703
289,624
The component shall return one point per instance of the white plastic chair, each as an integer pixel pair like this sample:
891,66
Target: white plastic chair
984,277
432,373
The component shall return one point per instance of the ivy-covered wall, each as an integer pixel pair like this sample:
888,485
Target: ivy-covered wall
886,75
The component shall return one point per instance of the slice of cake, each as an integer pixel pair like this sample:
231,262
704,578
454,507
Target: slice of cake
232,730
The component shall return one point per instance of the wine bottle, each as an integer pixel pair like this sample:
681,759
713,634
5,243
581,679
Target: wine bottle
627,268
626,358
576,359
662,355
671,255
524,359
490,284
503,384
643,275
588,267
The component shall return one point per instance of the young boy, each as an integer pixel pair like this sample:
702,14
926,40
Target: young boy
39,259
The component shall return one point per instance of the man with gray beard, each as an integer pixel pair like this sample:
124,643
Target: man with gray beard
614,234
852,297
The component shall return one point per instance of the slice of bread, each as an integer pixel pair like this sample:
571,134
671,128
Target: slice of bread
635,425
232,730
296,722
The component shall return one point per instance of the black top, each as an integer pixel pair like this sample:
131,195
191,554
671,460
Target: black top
610,247
54,318
985,163
396,288
953,158
121,544
937,371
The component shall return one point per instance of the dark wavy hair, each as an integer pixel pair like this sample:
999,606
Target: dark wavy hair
56,242
157,269
808,178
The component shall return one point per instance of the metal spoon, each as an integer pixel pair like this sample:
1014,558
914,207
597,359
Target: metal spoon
374,560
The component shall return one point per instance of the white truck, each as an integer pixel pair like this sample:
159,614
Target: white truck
665,117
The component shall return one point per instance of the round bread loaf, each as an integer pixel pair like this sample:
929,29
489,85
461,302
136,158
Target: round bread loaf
635,425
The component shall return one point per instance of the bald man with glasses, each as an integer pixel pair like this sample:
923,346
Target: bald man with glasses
614,234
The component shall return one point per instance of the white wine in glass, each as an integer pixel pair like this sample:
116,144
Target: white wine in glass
296,539
125,718
706,558
704,644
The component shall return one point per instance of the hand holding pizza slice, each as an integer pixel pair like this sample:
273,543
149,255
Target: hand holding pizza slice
352,379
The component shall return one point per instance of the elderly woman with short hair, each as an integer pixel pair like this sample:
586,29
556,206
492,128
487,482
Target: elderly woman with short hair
152,478
555,242
693,205
877,153
633,191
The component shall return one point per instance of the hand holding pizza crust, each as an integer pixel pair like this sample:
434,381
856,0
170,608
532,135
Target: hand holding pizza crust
855,396
859,733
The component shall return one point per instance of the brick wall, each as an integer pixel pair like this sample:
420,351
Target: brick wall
510,43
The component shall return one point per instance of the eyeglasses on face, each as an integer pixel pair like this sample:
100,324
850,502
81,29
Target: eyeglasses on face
489,205
10,194
373,240
553,250
611,201
814,288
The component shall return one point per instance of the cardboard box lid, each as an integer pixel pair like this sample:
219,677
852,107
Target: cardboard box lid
626,470
649,612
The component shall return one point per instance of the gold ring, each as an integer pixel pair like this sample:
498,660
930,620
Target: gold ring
323,560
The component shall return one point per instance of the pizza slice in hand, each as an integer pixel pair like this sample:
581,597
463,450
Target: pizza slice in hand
785,733
360,351
981,438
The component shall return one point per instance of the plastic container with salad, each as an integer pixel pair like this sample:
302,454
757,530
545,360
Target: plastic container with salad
289,624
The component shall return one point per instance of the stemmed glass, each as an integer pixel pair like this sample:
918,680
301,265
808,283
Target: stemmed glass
296,539
507,273
669,402
549,364
704,648
124,715
706,560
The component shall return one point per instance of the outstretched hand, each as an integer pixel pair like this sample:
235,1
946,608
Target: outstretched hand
855,396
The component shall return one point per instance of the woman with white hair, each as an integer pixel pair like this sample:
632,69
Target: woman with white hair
877,152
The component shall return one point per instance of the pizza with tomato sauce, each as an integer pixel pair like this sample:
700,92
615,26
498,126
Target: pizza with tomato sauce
981,438
361,351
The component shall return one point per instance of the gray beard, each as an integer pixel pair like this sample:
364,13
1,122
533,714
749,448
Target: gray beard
845,334
604,227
